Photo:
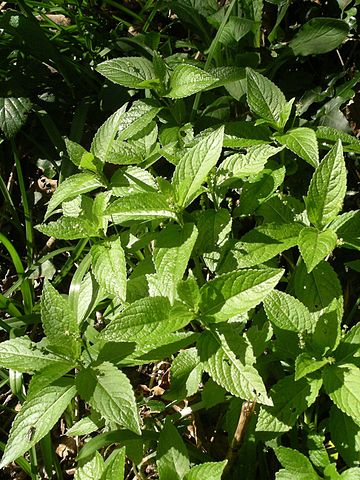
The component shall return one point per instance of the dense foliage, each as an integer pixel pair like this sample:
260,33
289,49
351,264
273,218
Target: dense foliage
180,236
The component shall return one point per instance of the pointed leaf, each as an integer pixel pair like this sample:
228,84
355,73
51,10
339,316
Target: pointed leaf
36,418
137,118
306,364
13,114
345,434
172,457
342,384
327,188
146,319
115,465
69,228
288,313
72,187
236,292
109,267
131,72
319,35
23,355
296,465
302,141
92,468
186,80
228,359
185,375
291,398
140,206
171,255
109,391
194,166
265,99
314,246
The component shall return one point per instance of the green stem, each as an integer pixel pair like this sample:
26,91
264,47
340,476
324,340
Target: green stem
211,53
27,214
70,262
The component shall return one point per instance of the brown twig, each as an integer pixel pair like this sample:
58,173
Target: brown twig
247,410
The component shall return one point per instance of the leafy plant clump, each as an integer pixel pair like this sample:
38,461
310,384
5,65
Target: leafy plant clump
209,329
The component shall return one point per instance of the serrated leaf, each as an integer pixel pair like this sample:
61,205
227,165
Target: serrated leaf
131,180
104,138
140,206
147,319
328,134
115,465
228,359
59,322
209,470
306,364
347,227
349,345
236,292
172,457
186,80
240,165
316,290
13,114
23,355
291,398
287,312
109,267
302,141
69,228
131,72
72,187
244,134
319,35
185,375
85,426
194,166
314,246
36,418
74,151
263,243
137,118
345,434
92,468
109,391
296,465
171,255
189,292
327,332
342,384
265,99
327,188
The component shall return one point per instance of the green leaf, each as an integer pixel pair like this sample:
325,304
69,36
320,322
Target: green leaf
75,151
23,355
132,180
347,227
140,207
328,134
342,384
265,99
186,80
319,35
242,165
131,72
288,313
59,322
72,187
85,426
236,292
314,246
316,290
327,188
185,375
172,457
291,398
69,228
306,364
92,468
172,251
235,29
189,292
296,465
351,474
302,141
345,434
327,332
137,118
104,138
146,319
194,166
13,114
263,243
115,465
36,418
349,345
228,359
109,391
208,471
244,134
109,267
